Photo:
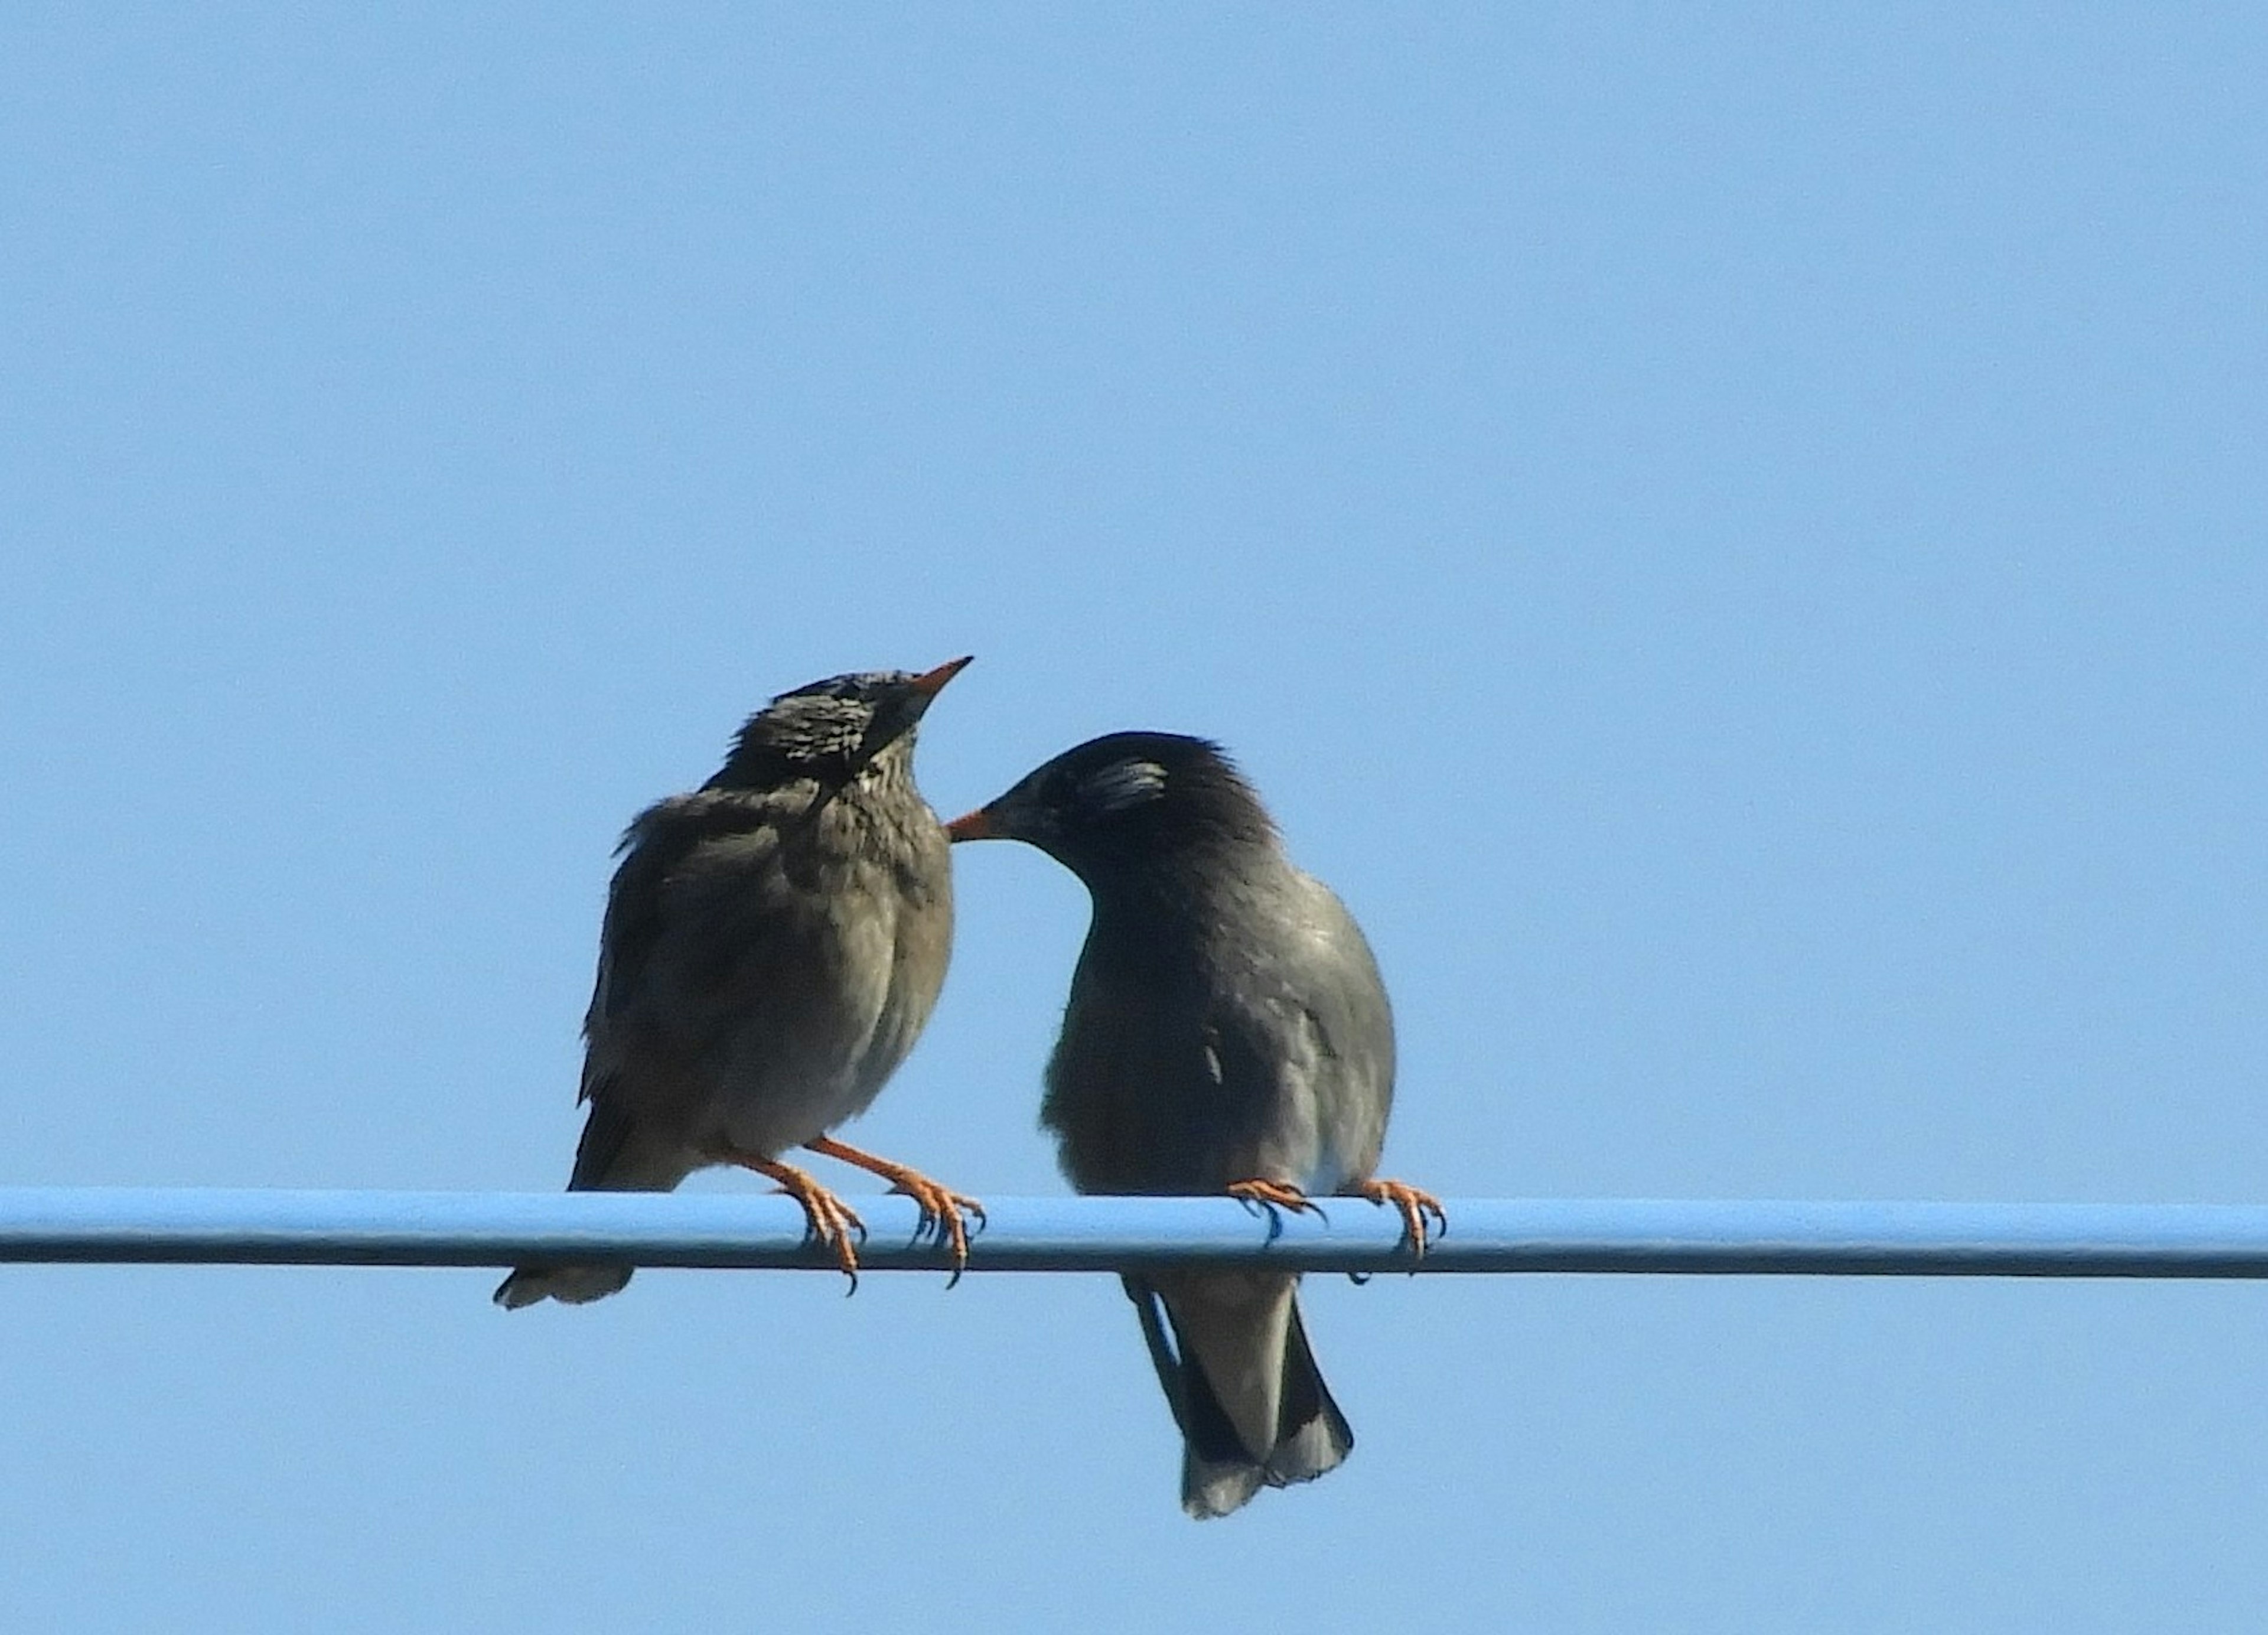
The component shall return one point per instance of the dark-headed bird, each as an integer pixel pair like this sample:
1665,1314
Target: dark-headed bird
773,944
1227,1032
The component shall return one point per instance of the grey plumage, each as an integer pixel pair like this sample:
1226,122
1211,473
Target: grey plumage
1227,1031
772,946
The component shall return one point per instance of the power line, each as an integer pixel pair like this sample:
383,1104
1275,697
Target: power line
177,1225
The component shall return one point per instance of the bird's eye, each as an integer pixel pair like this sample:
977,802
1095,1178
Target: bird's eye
1125,783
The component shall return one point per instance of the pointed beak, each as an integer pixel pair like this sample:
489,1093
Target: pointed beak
974,826
928,686
898,713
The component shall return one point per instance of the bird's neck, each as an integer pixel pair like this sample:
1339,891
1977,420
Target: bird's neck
1194,892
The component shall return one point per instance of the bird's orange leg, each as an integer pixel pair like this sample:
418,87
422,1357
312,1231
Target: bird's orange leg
941,1207
1416,1206
1272,1196
832,1221
1275,1194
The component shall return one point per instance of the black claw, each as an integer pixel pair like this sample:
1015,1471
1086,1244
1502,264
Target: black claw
1265,1206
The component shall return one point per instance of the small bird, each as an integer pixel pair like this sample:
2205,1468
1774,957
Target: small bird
1227,1032
772,946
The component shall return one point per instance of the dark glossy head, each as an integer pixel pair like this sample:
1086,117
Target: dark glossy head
1126,801
833,729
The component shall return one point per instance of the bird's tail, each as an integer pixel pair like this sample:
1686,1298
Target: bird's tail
574,1285
610,1158
1230,1351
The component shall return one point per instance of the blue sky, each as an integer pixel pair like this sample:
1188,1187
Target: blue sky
1734,538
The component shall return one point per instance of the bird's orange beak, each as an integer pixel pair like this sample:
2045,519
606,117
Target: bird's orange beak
932,682
972,826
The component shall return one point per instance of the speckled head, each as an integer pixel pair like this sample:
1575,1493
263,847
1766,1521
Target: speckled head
834,728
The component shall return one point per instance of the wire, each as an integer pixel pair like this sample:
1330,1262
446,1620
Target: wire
152,1225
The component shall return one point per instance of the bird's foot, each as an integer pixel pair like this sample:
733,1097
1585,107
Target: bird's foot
829,1220
1417,1207
942,1209
942,1212
1272,1196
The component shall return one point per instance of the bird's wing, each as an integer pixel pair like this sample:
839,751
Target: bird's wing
749,967
623,1144
1351,1023
1157,1092
708,938
655,850
1271,1057
1300,1043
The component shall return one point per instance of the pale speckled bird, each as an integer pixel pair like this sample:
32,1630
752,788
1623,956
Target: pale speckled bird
1227,1031
773,944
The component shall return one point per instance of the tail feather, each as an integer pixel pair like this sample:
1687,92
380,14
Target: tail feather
575,1285
1221,1469
1312,1436
609,1157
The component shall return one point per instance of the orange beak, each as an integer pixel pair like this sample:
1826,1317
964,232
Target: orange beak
932,682
972,826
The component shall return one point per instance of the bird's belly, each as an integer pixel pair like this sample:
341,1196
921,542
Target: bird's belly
779,1093
785,1104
